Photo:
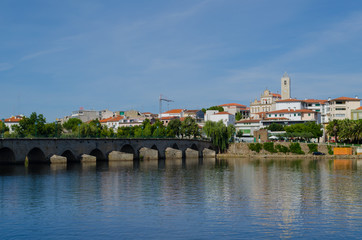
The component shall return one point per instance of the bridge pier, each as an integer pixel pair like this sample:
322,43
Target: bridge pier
172,153
148,154
56,159
191,153
120,156
85,158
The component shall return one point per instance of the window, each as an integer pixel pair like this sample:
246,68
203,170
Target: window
298,114
317,104
308,114
340,109
340,115
317,110
276,114
285,82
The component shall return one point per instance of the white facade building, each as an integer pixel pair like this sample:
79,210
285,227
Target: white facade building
247,127
225,117
173,113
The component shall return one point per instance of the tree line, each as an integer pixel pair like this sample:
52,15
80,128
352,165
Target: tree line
345,131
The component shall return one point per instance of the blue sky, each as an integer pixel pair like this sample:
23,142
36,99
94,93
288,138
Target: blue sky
57,56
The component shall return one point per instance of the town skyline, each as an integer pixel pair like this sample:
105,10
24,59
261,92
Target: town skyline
57,57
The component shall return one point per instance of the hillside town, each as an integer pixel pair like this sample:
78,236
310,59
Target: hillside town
270,108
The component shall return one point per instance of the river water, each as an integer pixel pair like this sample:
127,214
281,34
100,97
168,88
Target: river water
190,199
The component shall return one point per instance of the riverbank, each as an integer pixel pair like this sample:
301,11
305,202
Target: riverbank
288,156
241,150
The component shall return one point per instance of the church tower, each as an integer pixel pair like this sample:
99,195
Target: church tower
285,86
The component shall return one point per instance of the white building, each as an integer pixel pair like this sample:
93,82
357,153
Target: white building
13,121
293,116
173,113
234,108
247,127
290,103
112,122
321,106
225,117
209,113
340,108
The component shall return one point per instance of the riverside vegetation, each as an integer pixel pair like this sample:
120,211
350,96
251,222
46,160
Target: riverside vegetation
275,148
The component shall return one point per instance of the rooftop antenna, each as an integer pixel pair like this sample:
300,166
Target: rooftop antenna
160,104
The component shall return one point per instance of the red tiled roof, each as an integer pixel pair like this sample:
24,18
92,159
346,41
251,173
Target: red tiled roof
232,104
13,119
221,113
292,111
346,99
174,111
277,95
111,119
360,108
249,121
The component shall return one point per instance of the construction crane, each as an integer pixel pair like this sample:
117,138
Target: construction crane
160,104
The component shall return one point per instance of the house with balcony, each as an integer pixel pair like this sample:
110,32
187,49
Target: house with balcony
341,108
290,116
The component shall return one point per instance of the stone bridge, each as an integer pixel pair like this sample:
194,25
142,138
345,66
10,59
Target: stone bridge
16,151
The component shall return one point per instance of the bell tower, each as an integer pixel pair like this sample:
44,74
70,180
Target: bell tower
285,86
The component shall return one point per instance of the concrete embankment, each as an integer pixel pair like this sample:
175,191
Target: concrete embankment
242,150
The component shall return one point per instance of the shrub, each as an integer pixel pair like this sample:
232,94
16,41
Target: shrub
269,146
295,148
330,151
281,148
256,147
312,147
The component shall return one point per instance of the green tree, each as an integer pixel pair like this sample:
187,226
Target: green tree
333,129
189,128
3,129
72,124
219,133
275,127
238,116
219,108
31,126
174,128
239,133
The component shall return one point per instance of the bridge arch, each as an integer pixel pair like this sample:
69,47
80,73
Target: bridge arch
175,146
69,155
98,154
36,155
6,156
194,147
127,149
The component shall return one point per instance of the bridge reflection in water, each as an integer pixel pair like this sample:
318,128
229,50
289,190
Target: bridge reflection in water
18,151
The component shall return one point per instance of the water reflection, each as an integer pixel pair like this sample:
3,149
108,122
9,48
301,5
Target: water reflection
193,197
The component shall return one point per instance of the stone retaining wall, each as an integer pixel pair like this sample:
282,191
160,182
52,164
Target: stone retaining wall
243,149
